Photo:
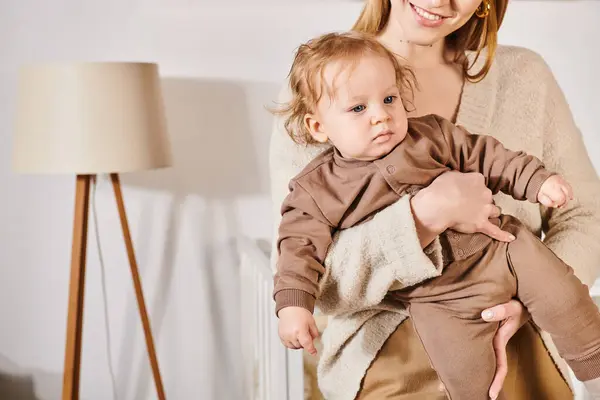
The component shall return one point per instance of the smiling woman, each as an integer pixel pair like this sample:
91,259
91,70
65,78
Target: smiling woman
465,25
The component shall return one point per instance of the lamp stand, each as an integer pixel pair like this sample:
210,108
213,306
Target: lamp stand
77,285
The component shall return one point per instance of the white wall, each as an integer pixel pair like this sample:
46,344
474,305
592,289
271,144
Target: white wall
221,65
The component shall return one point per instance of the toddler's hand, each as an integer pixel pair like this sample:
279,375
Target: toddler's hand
297,329
555,192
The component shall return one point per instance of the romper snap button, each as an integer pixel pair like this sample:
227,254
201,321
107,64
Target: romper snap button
390,169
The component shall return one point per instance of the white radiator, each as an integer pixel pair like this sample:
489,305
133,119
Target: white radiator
271,372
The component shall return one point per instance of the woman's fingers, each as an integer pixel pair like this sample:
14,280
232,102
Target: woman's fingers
503,311
495,314
495,232
499,345
512,315
495,211
492,230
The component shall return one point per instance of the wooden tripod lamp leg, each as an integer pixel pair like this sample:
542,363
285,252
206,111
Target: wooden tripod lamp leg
138,287
76,290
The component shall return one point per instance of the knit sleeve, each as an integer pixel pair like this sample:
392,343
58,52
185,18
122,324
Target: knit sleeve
572,231
366,261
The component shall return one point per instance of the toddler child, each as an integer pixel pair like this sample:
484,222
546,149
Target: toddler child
347,90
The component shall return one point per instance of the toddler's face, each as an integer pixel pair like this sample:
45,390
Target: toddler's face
365,118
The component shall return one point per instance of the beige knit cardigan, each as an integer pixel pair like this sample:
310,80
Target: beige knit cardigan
520,103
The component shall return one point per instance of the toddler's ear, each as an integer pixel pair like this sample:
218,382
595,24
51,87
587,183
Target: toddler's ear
315,128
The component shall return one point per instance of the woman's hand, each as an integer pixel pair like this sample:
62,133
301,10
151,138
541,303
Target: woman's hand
512,316
456,200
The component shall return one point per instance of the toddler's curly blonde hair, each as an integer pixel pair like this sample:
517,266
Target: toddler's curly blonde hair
306,75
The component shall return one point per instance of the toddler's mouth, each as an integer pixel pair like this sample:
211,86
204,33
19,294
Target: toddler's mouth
383,136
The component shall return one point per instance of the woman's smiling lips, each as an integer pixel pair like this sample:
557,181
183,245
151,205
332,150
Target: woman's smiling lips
427,18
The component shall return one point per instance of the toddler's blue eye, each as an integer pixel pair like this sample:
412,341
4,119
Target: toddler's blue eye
359,108
389,99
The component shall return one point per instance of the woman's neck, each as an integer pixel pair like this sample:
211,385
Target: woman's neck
418,56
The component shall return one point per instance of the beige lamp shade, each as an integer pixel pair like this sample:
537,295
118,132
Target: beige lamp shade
89,118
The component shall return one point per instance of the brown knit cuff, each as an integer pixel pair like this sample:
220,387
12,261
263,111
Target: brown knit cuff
294,298
536,182
586,368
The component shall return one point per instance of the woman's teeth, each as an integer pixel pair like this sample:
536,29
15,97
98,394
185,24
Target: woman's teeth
426,15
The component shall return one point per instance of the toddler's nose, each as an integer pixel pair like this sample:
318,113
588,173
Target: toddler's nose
380,115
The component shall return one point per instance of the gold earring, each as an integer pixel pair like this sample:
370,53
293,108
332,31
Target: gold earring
484,9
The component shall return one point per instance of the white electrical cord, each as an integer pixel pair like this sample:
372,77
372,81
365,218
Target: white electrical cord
104,294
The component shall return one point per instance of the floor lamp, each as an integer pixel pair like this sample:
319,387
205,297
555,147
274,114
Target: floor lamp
86,119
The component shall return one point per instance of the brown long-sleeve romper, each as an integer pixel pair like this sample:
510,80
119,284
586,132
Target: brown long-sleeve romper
334,193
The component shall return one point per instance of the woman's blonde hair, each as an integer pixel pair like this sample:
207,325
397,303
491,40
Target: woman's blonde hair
306,77
477,34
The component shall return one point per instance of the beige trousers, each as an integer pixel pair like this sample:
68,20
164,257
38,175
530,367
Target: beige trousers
402,370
